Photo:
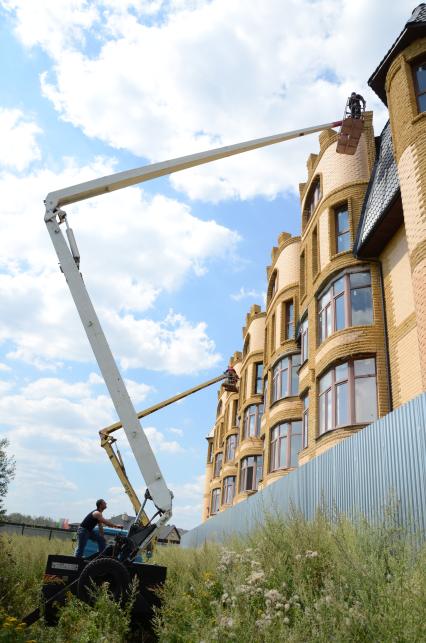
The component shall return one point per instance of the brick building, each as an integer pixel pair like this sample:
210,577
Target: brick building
343,338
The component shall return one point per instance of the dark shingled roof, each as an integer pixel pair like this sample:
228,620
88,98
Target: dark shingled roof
382,191
415,28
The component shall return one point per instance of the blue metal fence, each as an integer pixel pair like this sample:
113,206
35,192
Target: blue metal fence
357,477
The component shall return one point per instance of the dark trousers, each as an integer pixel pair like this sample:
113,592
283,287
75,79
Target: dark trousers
83,536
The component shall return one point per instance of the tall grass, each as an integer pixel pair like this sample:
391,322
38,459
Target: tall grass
293,580
298,581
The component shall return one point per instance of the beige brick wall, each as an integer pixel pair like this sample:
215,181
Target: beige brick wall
409,370
409,140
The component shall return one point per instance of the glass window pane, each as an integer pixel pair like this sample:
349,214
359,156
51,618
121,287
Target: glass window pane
294,380
359,279
342,221
249,479
341,372
325,299
365,366
421,77
342,405
283,452
329,421
322,413
421,101
328,323
340,312
321,327
343,242
296,446
365,399
259,470
284,383
339,285
295,359
362,307
325,382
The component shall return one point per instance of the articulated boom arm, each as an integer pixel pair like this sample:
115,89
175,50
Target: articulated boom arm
69,260
107,440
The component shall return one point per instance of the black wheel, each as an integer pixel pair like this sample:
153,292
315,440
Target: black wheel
103,570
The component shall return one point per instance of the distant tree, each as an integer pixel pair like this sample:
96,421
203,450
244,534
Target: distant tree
26,519
7,472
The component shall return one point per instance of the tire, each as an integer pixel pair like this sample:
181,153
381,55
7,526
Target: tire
103,570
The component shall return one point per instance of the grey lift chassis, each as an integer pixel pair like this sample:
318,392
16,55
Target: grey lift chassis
78,575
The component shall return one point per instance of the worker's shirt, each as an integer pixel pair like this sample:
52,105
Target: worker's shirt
89,521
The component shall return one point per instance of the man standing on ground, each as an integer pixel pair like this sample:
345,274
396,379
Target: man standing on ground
85,531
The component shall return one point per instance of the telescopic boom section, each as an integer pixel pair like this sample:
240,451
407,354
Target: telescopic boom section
69,261
120,180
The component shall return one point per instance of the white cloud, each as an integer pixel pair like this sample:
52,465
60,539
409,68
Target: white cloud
159,442
126,265
18,139
247,294
205,74
4,367
178,432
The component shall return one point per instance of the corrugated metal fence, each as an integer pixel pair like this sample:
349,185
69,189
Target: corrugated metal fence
385,461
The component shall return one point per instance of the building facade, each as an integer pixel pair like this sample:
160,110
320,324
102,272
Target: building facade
342,340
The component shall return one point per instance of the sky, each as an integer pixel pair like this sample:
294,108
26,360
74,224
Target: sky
91,88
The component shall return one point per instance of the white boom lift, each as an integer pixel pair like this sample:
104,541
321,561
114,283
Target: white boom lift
69,259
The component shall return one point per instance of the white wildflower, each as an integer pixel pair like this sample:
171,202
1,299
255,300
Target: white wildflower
255,578
226,621
287,607
286,620
273,595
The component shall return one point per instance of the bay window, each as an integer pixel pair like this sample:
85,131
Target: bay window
252,416
285,377
286,442
251,472
228,490
347,395
346,302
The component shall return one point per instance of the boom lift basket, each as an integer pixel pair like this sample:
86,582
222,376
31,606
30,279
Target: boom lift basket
350,131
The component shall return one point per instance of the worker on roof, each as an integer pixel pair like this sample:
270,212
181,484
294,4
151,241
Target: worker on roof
354,104
87,526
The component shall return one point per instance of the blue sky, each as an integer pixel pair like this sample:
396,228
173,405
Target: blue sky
90,88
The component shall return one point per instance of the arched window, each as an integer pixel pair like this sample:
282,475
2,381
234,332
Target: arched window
348,395
286,442
313,198
347,301
285,377
272,286
215,503
246,347
228,490
252,417
251,472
